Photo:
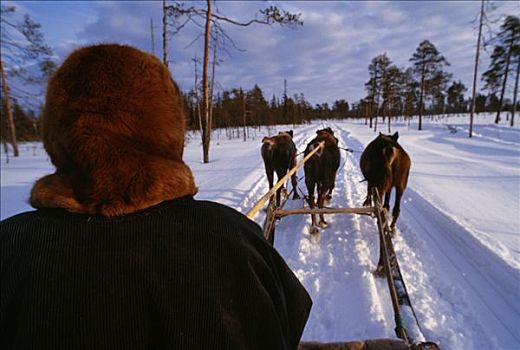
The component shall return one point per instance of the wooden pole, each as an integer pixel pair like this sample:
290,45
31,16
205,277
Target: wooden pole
282,212
251,213
399,329
269,227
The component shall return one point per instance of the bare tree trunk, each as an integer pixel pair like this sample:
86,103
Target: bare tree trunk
510,51
164,36
207,127
6,150
421,97
213,81
515,94
389,117
10,120
152,36
197,95
384,110
475,71
373,100
377,113
242,96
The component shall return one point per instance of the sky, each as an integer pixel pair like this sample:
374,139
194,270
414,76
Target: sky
325,59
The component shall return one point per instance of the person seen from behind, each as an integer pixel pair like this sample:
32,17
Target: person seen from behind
118,254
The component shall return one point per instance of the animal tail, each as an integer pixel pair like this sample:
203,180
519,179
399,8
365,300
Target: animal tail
389,152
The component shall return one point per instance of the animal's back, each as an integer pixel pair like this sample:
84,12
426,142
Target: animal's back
279,150
284,149
381,155
373,163
325,161
267,151
401,167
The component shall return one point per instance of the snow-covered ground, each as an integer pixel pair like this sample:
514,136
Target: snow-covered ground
458,239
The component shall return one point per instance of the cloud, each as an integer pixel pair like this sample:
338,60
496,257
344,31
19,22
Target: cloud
326,59
123,22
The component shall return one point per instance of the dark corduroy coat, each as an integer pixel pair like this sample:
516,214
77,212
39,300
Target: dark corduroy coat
184,274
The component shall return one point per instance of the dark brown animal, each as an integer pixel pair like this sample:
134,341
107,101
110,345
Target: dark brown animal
279,154
385,164
320,171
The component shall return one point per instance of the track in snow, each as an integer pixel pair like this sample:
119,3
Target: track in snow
454,274
349,302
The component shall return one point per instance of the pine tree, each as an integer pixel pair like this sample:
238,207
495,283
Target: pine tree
509,39
505,57
494,75
392,87
427,65
456,97
377,72
410,92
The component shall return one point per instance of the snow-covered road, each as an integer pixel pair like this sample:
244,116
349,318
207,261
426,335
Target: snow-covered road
458,237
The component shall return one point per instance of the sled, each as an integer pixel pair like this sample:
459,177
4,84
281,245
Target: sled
407,327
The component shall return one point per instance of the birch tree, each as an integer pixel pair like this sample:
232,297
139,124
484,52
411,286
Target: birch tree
268,16
23,51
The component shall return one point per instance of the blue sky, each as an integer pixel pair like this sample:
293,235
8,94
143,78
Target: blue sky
326,59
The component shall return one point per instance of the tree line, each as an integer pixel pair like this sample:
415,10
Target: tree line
237,107
424,88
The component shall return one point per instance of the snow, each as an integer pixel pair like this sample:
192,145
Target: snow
458,236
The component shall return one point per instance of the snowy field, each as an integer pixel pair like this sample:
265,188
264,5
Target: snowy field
458,237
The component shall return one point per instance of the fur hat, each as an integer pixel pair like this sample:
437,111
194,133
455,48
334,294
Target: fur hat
114,128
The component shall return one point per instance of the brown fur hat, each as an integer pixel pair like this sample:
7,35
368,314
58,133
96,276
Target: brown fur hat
114,128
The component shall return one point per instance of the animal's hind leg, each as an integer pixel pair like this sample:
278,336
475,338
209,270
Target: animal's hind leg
397,206
280,173
329,194
321,201
368,200
269,172
310,191
386,204
278,192
294,181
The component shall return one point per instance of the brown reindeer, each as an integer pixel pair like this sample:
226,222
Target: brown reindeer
385,164
279,154
320,171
